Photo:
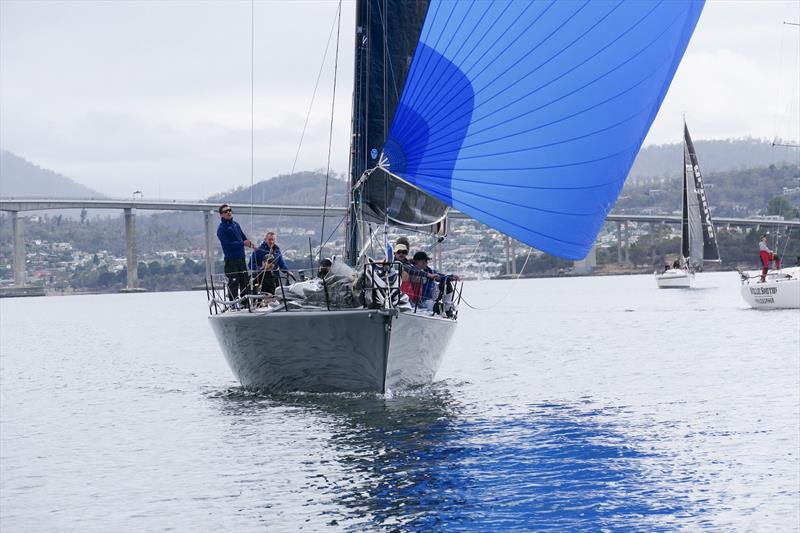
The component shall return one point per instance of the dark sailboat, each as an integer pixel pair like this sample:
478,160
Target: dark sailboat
526,116
698,236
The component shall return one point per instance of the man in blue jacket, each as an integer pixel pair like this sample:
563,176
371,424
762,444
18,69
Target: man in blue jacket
233,241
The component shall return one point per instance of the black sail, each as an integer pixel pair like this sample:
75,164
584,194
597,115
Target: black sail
699,240
387,32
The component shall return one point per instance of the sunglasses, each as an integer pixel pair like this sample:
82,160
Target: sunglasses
227,211
401,252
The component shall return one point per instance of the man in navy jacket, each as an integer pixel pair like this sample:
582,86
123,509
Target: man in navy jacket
233,241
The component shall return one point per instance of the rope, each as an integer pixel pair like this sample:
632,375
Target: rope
252,110
330,134
786,244
508,291
314,94
252,121
311,105
333,232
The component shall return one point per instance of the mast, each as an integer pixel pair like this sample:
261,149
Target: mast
357,131
685,203
387,35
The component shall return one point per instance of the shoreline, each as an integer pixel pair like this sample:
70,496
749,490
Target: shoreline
33,291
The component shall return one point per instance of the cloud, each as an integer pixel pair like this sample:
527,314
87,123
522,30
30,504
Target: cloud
156,95
733,80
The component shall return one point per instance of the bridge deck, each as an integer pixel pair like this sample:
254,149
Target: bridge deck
41,204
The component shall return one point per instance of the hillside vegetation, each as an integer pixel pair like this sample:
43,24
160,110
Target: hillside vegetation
21,178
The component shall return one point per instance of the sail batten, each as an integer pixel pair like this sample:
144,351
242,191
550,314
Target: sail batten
448,136
435,103
561,97
511,203
466,152
511,109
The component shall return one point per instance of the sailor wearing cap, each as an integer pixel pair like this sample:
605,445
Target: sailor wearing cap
324,267
425,281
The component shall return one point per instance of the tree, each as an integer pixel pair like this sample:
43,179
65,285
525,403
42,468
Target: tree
106,278
188,266
782,207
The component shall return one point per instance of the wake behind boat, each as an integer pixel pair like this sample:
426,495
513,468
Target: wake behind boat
698,237
524,116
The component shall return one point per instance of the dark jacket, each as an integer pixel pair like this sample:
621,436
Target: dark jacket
232,238
260,253
419,276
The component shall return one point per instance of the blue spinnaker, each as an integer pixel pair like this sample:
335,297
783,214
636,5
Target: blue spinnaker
527,116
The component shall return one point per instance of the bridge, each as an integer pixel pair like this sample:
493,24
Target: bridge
129,207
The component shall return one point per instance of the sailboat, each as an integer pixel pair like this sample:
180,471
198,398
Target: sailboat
525,116
698,236
780,289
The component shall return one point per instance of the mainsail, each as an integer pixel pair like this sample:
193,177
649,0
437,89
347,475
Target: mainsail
698,237
526,116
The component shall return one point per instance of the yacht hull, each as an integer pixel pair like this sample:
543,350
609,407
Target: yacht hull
674,279
781,290
357,350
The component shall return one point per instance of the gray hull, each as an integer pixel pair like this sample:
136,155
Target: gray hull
356,350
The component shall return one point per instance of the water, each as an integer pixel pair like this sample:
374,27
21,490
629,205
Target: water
584,403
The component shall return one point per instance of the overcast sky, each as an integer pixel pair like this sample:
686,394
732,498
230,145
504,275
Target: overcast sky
155,96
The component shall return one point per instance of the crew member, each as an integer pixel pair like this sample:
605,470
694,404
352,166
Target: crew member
233,241
265,261
767,255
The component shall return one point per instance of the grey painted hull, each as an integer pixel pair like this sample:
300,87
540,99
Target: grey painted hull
356,350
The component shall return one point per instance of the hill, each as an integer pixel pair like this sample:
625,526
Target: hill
300,188
733,193
21,178
666,160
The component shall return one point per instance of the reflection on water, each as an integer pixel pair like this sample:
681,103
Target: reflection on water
425,461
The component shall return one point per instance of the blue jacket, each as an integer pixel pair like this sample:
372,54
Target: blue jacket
420,276
260,253
232,238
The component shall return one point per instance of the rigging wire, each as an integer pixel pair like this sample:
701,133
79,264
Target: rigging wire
330,134
333,231
252,111
388,61
778,92
316,86
336,19
508,291
786,243
790,143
